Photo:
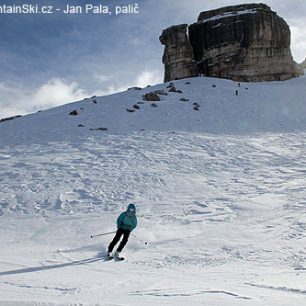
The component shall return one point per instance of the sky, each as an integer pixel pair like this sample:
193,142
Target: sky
48,60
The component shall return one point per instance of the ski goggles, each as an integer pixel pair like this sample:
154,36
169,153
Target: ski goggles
131,210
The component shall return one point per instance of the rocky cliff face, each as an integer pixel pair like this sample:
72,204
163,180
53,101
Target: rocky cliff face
178,55
245,43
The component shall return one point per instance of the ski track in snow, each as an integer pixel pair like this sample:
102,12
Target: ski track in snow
176,292
298,291
224,214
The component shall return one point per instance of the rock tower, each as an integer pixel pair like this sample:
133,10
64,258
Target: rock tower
247,42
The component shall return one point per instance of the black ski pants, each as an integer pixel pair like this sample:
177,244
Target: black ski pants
119,233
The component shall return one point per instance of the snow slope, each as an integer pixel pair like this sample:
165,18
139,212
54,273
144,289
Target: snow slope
220,195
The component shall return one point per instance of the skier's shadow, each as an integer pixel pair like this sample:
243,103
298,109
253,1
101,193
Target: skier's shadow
99,257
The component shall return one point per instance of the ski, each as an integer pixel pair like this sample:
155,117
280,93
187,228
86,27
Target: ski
108,258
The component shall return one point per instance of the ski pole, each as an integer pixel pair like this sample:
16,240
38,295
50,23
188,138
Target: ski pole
145,242
103,234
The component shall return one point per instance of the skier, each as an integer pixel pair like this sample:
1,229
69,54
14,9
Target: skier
126,222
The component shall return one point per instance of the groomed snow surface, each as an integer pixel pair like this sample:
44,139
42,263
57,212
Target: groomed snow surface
220,193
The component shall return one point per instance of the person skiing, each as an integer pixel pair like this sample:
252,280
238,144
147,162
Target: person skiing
126,222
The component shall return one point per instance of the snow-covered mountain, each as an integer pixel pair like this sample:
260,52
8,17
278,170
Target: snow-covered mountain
259,107
217,172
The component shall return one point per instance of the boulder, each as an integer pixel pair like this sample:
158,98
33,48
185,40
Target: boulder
170,85
99,129
135,88
74,113
151,96
172,89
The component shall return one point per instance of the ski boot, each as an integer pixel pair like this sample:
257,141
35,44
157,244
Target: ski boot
117,256
109,255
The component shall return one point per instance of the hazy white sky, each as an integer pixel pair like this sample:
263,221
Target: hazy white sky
48,60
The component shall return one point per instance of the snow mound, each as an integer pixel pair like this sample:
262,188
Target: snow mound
197,105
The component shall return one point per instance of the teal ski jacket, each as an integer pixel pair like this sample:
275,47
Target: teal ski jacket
128,220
